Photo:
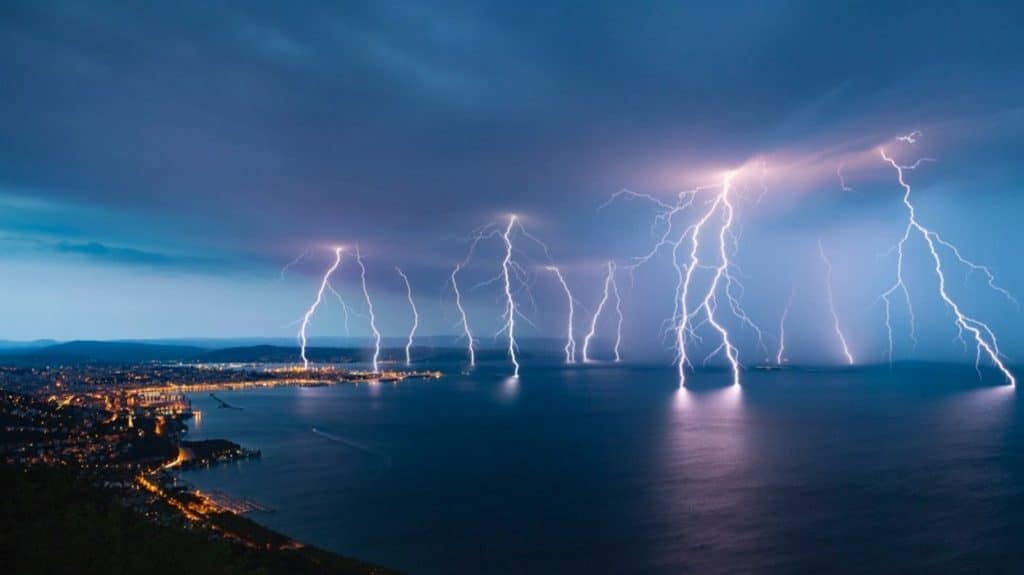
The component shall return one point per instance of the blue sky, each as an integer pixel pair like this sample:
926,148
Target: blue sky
160,163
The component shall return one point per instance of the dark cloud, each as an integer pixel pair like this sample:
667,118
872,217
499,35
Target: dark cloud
100,253
273,128
134,257
379,122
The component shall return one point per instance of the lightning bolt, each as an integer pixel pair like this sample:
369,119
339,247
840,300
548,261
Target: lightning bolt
510,271
570,344
984,338
910,138
482,233
780,356
831,303
709,302
674,237
369,307
609,281
295,261
415,316
510,303
842,180
667,217
462,315
344,307
618,315
316,303
763,178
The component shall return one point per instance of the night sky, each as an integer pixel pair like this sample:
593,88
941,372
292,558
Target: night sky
160,163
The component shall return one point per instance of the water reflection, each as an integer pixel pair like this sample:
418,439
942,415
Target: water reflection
996,399
852,471
373,388
510,388
725,397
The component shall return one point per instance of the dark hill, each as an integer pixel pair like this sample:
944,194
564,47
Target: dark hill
55,522
111,352
278,354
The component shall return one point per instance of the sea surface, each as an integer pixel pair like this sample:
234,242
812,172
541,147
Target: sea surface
614,469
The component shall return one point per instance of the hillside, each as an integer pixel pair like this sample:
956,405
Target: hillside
53,522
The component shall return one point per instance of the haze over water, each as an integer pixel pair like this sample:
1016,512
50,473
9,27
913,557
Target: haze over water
612,469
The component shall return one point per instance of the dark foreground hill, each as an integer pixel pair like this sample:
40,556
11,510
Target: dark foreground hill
52,522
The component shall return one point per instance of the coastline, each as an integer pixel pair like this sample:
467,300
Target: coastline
56,500
126,444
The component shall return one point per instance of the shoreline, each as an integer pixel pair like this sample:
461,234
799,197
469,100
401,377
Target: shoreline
130,443
61,500
213,503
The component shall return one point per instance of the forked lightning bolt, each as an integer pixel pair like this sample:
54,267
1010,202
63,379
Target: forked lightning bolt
415,316
618,316
478,235
676,237
295,261
832,304
570,343
609,282
510,271
510,302
344,306
709,302
369,308
842,180
695,304
780,356
462,315
316,303
984,338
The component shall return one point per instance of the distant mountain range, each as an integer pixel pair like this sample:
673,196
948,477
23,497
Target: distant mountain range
284,350
6,344
47,352
114,351
74,352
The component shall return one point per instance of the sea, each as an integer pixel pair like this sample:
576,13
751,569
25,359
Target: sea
613,468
